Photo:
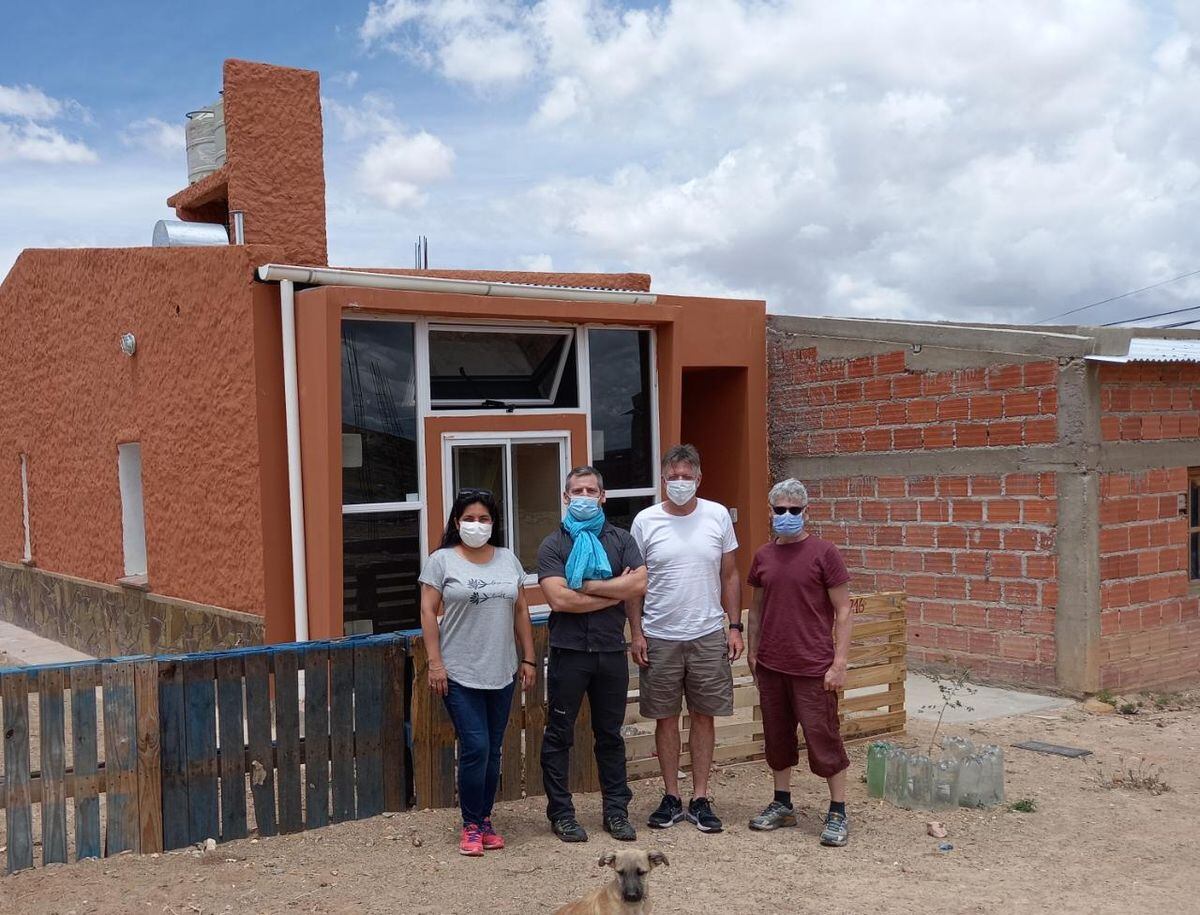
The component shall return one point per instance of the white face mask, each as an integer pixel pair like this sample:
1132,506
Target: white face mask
475,533
681,492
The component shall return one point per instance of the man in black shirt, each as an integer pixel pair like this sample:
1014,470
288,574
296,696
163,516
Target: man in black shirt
587,650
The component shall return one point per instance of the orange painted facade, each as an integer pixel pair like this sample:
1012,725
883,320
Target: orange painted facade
204,392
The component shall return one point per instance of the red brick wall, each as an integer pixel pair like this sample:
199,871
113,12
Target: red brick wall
975,554
1149,402
1150,617
873,403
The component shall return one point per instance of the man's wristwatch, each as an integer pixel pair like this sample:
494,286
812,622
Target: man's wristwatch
738,626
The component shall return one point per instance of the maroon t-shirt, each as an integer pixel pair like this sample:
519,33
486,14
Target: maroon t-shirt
795,627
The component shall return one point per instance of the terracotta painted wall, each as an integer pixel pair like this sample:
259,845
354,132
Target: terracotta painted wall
191,396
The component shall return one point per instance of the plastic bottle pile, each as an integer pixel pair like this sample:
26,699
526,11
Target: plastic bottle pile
962,776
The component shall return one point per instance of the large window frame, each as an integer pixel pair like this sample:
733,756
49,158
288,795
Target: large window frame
566,333
449,440
585,402
421,371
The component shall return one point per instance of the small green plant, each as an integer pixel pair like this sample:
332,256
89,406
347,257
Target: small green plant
952,684
1105,695
1128,708
1024,805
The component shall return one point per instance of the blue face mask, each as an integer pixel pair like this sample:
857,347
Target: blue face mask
787,524
584,508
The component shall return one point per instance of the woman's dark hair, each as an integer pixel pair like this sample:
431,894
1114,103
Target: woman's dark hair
465,498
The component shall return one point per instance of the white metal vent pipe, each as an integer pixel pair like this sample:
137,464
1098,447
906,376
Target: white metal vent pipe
291,396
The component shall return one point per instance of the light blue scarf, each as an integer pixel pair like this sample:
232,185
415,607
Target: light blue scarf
588,559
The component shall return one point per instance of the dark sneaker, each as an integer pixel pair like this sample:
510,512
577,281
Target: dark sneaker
837,830
701,813
620,828
569,830
669,812
774,816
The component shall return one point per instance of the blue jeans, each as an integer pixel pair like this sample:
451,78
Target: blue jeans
480,718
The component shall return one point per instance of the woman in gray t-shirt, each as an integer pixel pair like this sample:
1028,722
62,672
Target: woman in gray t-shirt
477,588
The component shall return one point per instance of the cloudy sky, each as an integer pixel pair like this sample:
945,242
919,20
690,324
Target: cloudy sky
967,160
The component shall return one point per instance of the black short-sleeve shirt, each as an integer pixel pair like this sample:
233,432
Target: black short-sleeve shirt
600,630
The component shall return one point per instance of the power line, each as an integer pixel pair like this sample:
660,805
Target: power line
1179,324
1123,295
1161,314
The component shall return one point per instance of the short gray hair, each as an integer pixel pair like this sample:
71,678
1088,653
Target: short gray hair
584,470
682,454
791,489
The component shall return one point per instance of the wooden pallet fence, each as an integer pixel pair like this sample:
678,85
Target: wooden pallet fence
201,746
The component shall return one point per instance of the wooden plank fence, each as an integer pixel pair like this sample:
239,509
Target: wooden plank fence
217,745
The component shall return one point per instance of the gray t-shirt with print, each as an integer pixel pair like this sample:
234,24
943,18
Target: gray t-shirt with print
479,648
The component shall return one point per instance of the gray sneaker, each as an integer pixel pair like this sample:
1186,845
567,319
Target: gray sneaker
774,816
837,830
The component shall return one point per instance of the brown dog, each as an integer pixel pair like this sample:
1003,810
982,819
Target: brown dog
627,893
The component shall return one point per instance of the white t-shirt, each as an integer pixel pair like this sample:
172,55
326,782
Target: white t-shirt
683,565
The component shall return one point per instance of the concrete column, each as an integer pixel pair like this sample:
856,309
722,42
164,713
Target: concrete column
1077,539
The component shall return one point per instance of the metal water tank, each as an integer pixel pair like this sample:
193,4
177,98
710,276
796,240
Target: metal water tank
174,233
201,144
219,132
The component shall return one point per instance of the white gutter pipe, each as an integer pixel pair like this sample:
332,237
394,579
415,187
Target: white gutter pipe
287,276
291,396
331,276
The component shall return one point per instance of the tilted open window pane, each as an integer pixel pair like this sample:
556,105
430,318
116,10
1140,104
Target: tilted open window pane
498,368
622,411
381,560
379,413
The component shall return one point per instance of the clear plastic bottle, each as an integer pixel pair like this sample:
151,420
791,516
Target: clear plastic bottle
945,783
895,788
877,756
993,776
920,781
971,781
958,747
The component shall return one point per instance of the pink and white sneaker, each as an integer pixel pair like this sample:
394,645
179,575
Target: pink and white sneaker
471,843
492,840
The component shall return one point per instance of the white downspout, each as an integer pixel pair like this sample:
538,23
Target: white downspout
291,396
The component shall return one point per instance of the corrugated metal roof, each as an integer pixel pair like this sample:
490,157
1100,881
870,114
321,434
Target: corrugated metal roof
1156,349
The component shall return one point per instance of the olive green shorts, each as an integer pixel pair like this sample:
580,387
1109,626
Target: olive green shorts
697,669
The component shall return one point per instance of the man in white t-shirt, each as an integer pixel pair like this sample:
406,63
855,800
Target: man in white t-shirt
681,644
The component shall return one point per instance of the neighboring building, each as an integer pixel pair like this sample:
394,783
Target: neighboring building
1035,491
147,501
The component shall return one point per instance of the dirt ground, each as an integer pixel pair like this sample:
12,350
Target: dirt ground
1086,848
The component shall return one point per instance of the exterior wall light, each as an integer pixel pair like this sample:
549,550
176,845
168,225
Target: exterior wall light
128,344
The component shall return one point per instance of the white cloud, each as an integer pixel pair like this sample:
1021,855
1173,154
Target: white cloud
482,43
396,165
976,160
396,168
31,142
157,136
28,102
24,136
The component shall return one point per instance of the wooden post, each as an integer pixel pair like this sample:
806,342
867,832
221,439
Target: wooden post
341,730
261,755
368,723
84,680
54,764
232,765
535,716
433,738
395,714
18,815
287,735
149,757
173,749
316,736
120,758
200,712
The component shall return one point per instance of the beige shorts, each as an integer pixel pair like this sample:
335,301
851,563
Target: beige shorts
698,669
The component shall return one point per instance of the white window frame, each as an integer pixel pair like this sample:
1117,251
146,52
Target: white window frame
450,440
27,554
420,371
133,513
585,400
569,334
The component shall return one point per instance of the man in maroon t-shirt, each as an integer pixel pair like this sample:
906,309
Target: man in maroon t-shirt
799,643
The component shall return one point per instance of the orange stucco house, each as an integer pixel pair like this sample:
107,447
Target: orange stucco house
237,443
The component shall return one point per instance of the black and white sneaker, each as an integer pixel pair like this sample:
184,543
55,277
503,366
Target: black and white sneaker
669,812
701,813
